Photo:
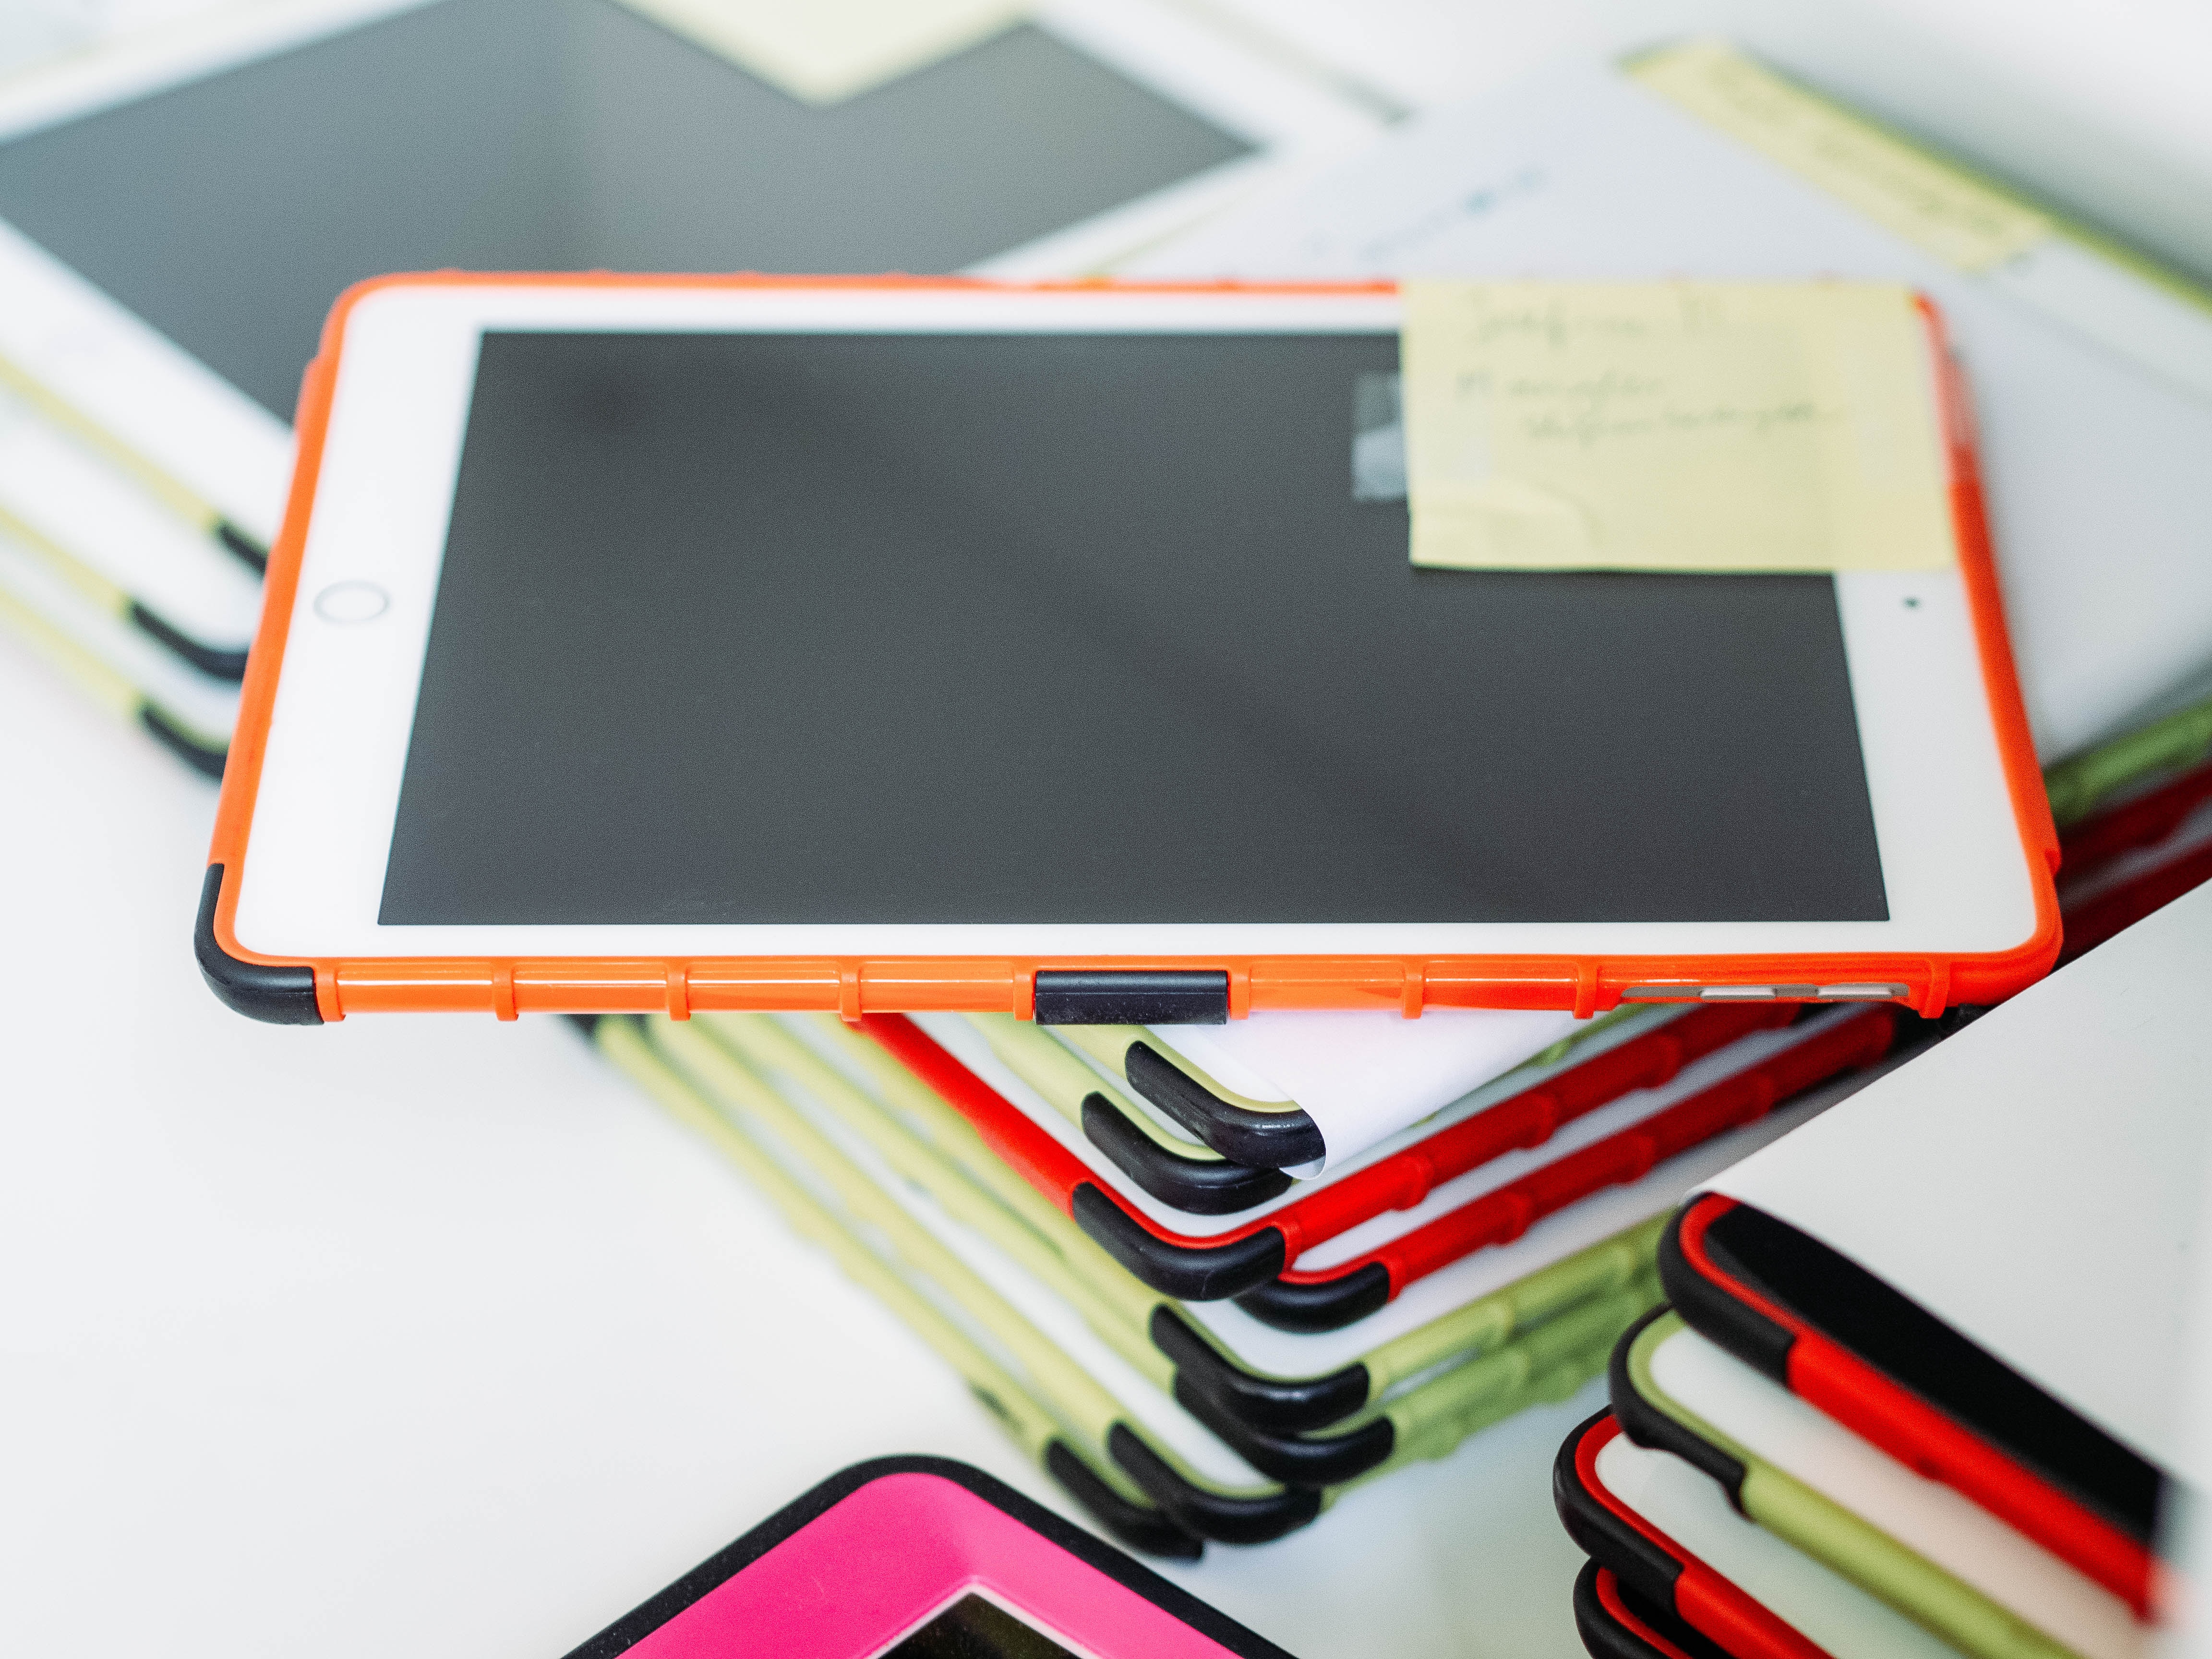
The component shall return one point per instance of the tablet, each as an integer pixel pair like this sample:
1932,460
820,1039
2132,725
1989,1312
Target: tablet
429,815
1853,1264
182,208
1944,1563
245,168
921,1558
1667,1532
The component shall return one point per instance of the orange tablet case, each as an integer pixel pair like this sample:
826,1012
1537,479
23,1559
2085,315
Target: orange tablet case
1136,989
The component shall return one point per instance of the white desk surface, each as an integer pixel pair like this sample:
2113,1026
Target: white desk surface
430,1335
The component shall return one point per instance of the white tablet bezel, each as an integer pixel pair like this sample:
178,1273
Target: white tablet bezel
1954,863
184,426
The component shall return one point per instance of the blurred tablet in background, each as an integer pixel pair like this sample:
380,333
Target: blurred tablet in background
193,184
227,183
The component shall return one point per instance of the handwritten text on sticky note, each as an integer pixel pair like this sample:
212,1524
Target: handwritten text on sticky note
1673,426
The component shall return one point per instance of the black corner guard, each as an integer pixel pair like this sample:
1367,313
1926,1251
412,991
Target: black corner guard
216,665
1277,1405
1203,1186
1605,1637
1224,1517
281,994
1132,1525
1144,997
1647,1424
1196,1273
1330,1304
1640,1565
206,761
243,546
1267,1140
1710,1311
1328,1460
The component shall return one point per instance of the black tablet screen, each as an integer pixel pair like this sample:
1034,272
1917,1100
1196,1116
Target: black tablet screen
973,1628
1069,629
564,134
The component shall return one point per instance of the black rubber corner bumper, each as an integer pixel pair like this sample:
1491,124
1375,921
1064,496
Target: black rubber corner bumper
1191,1272
1295,1460
1328,1305
1132,1525
1646,1425
1265,1140
280,994
201,758
1639,1564
1203,1186
1277,1405
1714,1313
1605,1637
1226,1517
211,660
248,551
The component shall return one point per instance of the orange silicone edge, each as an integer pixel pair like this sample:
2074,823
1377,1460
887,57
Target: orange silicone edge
850,986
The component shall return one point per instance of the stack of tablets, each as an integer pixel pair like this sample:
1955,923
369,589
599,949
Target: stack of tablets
1222,1371
138,494
1920,1386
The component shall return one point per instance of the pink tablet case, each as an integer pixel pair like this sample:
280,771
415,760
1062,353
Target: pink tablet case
873,1554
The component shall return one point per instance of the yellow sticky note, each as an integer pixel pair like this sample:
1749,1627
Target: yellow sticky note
1673,426
1930,203
823,51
